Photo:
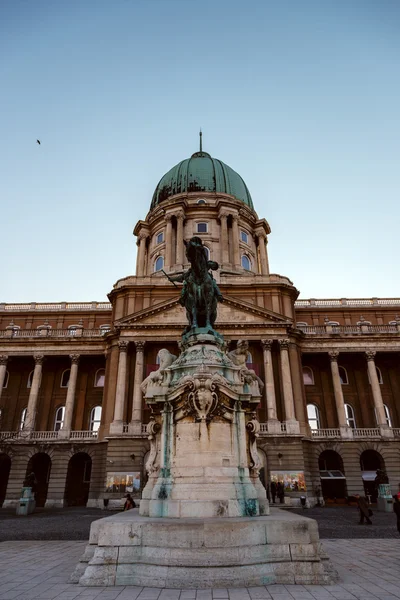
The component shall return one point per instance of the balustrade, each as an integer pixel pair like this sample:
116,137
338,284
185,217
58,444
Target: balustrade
366,432
325,433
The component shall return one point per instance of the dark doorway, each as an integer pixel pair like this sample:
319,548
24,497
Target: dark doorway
333,480
370,462
5,466
78,479
40,464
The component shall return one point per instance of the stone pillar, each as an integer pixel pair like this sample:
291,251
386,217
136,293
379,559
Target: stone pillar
179,238
235,240
3,370
34,393
223,217
262,238
70,401
376,390
286,381
338,393
141,264
269,380
168,241
136,421
119,407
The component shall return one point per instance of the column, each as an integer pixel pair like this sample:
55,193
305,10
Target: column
179,238
3,370
168,241
263,252
34,393
286,381
223,217
70,401
269,380
140,264
376,390
337,389
235,240
119,406
137,392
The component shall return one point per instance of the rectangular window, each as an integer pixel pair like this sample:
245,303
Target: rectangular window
202,228
160,238
244,237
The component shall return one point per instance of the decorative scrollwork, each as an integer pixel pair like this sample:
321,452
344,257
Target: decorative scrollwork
203,399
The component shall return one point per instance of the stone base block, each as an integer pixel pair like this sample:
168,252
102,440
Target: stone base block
128,549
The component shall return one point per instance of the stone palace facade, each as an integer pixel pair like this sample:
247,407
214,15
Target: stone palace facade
72,409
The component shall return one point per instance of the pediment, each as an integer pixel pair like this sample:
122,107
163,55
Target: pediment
232,310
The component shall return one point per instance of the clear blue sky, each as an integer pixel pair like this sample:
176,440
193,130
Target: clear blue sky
302,98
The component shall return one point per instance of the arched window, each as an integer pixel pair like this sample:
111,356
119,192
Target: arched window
387,415
15,330
378,374
308,376
202,227
249,359
350,418
30,379
6,378
73,328
59,418
99,378
160,237
246,264
22,420
95,418
344,380
207,252
159,263
313,416
201,201
104,329
301,324
244,237
65,378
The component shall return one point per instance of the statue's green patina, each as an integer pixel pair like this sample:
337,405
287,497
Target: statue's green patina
200,293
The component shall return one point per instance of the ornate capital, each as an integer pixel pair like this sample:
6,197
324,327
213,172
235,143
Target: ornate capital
168,218
266,344
123,346
74,358
38,358
3,359
284,344
261,234
235,218
143,235
370,354
180,215
139,346
333,355
223,215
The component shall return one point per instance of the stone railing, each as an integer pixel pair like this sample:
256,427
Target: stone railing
53,333
347,302
348,329
44,436
144,429
52,306
366,432
325,433
396,432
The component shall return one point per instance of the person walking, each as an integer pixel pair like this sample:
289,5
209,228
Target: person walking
273,491
280,490
396,509
365,512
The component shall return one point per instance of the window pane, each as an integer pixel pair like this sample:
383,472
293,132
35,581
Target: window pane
65,378
95,418
59,418
201,227
308,378
246,263
160,238
343,376
100,377
159,264
244,236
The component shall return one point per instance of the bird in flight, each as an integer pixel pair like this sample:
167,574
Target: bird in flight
38,142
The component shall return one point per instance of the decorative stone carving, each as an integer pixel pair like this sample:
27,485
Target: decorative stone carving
284,344
38,358
139,345
152,429
3,359
333,355
238,357
203,399
253,427
370,355
123,346
157,377
266,344
74,358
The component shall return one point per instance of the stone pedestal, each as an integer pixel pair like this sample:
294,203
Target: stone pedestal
127,549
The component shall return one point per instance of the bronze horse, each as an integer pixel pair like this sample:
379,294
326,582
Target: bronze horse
200,293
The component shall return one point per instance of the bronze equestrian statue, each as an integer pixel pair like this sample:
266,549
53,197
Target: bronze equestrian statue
200,293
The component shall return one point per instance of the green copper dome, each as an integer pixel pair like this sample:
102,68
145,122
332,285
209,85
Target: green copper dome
201,173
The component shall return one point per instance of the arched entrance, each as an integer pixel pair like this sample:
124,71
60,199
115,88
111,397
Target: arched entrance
5,466
40,464
370,462
78,479
333,480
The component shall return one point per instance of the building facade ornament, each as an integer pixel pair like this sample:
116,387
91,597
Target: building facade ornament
284,344
123,346
139,345
38,358
74,358
370,355
333,355
266,344
3,359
